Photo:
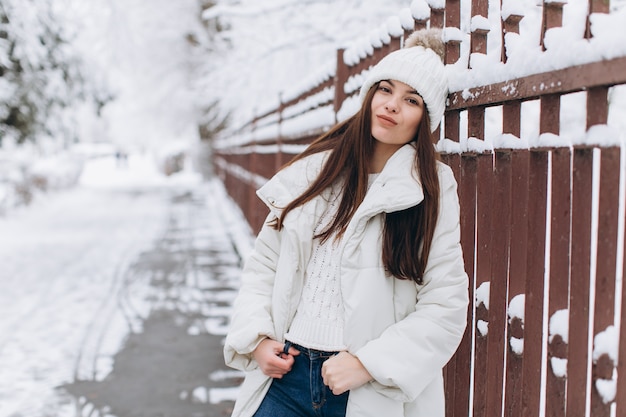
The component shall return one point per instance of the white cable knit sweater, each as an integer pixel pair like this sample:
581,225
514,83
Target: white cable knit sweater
318,323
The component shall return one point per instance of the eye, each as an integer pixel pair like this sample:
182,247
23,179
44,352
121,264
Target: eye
384,88
414,101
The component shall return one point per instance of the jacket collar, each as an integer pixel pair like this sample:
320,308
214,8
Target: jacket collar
396,188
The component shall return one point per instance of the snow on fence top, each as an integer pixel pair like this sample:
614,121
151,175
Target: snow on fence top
492,55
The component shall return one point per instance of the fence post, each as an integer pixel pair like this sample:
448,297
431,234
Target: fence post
552,17
467,197
511,110
509,25
518,277
279,140
604,310
580,286
436,17
500,229
560,244
535,281
595,6
478,39
341,77
452,119
620,394
484,248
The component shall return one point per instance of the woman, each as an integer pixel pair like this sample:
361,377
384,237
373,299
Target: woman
355,295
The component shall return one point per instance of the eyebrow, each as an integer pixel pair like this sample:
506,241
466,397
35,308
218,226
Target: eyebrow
409,91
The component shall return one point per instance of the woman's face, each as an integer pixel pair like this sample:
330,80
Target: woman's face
397,111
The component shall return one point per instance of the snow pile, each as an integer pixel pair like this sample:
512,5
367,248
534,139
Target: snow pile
607,343
482,297
559,325
516,311
24,175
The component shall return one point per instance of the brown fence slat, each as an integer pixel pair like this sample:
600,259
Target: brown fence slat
476,123
579,294
552,17
604,310
597,106
560,238
453,20
478,41
621,364
534,288
467,198
450,371
549,118
484,208
500,229
517,278
452,125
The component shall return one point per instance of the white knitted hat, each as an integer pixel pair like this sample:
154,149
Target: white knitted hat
420,65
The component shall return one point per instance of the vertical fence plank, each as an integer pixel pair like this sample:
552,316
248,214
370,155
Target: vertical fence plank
597,106
595,6
476,122
579,296
478,39
452,121
511,118
500,228
620,394
604,310
509,25
534,286
552,17
550,114
342,73
467,197
454,368
436,17
453,20
253,167
484,207
452,125
517,342
558,302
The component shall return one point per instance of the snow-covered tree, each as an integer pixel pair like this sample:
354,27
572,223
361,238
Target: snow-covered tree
40,73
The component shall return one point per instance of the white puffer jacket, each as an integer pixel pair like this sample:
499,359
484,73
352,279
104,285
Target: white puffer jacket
403,333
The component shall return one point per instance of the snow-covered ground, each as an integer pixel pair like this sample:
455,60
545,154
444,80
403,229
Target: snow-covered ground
63,258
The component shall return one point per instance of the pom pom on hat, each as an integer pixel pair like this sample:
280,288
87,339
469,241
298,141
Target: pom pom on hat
418,64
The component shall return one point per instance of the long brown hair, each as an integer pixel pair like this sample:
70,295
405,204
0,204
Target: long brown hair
407,234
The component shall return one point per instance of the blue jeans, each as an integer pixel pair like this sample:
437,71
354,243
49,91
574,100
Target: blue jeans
301,392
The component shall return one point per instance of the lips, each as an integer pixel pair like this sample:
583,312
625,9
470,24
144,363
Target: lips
386,120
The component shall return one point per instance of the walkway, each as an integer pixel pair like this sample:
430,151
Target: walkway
114,303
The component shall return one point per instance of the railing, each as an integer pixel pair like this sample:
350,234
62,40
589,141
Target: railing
542,196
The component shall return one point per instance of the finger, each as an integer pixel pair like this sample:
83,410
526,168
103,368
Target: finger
286,347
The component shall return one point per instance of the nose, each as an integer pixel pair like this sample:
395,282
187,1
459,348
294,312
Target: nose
391,106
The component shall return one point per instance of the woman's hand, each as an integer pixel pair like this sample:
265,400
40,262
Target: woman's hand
271,358
344,372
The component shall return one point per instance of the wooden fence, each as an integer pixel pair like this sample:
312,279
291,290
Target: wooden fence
542,218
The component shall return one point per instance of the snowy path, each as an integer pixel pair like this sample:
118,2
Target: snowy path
60,263
72,285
